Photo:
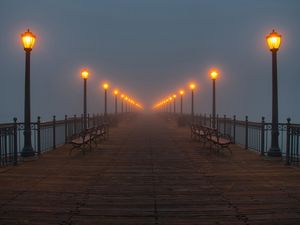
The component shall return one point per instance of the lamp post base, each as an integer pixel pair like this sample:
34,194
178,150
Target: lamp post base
27,151
274,152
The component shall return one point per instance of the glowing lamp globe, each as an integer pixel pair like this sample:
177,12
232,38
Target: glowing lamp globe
273,40
28,40
85,74
105,86
192,86
116,92
214,74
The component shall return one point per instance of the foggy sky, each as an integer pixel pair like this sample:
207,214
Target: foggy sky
150,48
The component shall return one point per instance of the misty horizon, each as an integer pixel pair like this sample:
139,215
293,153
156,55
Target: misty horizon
149,50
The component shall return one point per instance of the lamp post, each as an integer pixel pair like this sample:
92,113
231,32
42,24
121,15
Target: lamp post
174,101
122,103
181,92
274,40
28,40
116,92
214,74
105,87
192,87
128,105
84,75
126,99
170,104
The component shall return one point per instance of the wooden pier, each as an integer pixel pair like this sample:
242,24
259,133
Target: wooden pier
150,172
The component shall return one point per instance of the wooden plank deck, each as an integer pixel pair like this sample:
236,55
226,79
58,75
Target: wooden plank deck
150,172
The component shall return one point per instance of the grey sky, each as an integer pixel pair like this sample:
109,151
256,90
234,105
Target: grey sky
149,49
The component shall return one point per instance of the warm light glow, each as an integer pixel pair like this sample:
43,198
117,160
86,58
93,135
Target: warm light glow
181,92
274,40
170,98
174,96
116,92
105,86
192,86
122,96
214,74
28,40
84,74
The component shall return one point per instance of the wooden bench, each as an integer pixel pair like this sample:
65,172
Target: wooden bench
100,133
221,141
212,136
81,141
84,139
199,133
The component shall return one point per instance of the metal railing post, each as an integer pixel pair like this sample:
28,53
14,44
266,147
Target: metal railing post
262,137
15,142
82,122
54,132
39,135
234,126
218,122
288,142
224,124
66,129
75,124
94,122
246,133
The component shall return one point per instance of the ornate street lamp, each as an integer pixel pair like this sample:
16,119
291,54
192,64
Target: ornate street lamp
174,101
28,40
105,87
274,41
84,75
192,87
181,92
214,74
116,92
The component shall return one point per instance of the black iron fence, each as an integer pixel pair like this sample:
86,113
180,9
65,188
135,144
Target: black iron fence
46,135
254,135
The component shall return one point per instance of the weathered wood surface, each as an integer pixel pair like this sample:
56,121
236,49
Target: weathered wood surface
150,172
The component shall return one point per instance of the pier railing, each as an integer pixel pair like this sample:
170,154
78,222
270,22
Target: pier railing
46,135
253,135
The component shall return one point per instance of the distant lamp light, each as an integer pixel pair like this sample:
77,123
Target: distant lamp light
181,92
116,92
105,86
174,96
28,40
192,86
274,40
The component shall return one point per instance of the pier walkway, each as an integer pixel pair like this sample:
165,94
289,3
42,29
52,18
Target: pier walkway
150,172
